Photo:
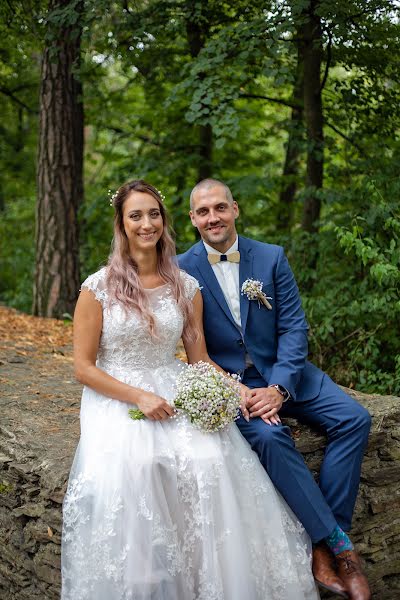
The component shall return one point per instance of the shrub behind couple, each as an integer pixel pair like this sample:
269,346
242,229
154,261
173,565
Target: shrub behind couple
263,339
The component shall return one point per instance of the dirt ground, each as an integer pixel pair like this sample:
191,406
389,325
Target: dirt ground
36,365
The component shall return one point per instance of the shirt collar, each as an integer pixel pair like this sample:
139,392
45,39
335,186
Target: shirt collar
211,250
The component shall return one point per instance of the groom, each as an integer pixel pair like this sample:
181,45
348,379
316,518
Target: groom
265,341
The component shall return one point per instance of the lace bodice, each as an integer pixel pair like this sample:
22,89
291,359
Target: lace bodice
125,341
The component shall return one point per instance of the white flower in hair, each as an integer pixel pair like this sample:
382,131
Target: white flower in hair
112,196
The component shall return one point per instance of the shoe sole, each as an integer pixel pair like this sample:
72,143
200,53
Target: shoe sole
331,589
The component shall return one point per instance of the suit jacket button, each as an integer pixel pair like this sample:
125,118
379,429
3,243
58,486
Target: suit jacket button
240,342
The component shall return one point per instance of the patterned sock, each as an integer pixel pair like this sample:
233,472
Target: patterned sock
338,541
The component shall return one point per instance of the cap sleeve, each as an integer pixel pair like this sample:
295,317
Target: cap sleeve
96,283
191,285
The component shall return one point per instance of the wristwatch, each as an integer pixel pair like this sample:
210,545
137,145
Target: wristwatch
283,391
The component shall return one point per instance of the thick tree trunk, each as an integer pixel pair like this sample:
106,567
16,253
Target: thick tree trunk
311,48
60,174
293,151
197,31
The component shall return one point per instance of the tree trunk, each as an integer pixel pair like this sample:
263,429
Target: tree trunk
293,152
310,34
197,32
206,148
60,171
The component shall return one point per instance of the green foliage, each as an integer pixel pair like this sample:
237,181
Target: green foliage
17,234
19,77
354,306
157,76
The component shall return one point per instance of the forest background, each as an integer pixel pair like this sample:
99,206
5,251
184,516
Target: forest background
294,104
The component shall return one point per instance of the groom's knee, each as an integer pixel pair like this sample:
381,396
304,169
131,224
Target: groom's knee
266,439
361,423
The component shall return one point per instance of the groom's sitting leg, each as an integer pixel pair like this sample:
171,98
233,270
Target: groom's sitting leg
292,478
346,424
290,475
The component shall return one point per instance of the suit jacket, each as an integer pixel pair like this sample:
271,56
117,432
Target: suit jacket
276,339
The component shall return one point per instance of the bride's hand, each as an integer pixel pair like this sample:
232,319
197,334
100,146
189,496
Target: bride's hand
245,394
154,407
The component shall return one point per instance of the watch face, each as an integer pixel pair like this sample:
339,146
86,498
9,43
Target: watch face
284,392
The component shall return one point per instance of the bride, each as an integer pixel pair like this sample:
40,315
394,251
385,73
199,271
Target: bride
156,509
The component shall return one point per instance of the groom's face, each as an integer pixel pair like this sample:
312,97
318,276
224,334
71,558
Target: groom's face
214,216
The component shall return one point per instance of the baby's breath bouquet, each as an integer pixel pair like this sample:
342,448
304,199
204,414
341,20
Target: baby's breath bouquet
209,398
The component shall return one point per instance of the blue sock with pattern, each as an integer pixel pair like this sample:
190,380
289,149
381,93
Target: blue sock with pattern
338,541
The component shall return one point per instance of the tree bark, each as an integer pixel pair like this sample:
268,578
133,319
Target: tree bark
197,32
311,49
293,152
206,151
60,171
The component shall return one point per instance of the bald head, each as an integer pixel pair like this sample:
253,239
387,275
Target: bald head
207,184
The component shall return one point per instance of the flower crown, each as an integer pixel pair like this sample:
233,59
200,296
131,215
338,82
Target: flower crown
112,196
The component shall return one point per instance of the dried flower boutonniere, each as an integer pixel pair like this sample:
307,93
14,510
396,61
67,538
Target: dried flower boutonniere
252,288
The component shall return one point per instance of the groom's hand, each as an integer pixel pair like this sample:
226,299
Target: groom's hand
265,403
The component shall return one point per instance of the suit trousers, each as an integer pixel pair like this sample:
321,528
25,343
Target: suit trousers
319,507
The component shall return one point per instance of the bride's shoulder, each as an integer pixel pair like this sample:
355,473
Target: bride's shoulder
191,284
96,283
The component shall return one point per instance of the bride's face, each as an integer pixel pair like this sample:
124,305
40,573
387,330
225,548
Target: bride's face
143,222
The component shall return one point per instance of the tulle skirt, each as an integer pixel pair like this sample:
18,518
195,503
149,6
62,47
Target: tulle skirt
161,511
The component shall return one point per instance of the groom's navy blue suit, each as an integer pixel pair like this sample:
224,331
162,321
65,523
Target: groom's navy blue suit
276,341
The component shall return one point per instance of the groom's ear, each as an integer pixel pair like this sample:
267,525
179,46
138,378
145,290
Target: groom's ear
191,215
236,209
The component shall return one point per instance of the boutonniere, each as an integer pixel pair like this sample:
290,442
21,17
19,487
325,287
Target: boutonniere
252,288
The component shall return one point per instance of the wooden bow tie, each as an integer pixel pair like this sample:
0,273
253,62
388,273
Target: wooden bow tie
233,257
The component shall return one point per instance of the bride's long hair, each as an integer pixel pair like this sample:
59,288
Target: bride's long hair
123,280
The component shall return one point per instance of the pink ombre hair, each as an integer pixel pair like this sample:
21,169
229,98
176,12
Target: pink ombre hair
122,274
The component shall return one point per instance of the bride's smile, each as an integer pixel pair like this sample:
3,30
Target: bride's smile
143,221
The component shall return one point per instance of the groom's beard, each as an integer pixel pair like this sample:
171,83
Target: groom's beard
220,235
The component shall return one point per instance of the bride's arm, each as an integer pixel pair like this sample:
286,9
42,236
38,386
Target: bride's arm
88,323
196,350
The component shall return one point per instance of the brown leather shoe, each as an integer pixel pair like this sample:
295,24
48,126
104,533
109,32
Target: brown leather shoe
352,575
324,571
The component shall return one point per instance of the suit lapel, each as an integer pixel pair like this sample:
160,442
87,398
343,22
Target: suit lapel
211,281
245,272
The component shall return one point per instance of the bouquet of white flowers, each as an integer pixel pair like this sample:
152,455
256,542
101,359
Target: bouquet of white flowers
210,399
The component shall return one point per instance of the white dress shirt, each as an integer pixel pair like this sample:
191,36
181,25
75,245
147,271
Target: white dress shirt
227,274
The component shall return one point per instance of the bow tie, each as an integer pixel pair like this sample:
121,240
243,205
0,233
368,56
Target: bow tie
233,257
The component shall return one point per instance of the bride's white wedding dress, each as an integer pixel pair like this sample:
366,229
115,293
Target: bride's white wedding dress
158,510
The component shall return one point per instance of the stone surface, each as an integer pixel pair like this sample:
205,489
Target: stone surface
39,430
